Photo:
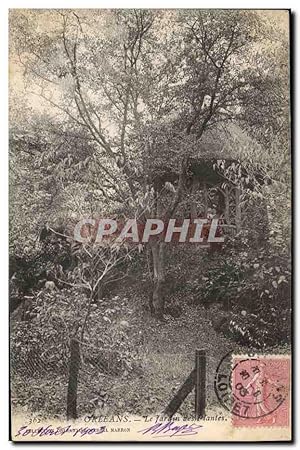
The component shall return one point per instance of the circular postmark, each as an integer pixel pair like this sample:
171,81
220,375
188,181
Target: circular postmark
250,387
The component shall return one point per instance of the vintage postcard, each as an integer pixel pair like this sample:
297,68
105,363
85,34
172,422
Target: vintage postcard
150,225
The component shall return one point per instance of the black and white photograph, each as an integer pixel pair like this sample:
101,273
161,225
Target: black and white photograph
150,225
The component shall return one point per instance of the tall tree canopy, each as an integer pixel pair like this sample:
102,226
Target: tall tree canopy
115,97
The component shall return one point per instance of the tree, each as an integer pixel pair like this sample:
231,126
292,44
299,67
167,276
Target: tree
141,88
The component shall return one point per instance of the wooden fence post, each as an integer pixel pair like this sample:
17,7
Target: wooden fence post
200,384
182,393
73,379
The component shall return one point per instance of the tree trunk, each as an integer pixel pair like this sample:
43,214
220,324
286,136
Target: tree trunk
205,198
227,206
158,296
193,207
238,214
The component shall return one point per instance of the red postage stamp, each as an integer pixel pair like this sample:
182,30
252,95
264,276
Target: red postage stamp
260,391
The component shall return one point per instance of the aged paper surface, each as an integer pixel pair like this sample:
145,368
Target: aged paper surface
150,225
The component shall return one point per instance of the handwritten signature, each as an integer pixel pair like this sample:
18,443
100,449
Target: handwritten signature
169,429
49,430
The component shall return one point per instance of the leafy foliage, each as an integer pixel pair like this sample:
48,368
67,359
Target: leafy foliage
114,106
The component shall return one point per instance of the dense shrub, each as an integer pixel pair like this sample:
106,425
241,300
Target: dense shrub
54,317
265,329
255,281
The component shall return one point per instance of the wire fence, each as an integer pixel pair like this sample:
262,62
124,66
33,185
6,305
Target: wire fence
81,378
49,374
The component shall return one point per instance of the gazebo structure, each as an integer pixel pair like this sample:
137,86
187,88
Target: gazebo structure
216,183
